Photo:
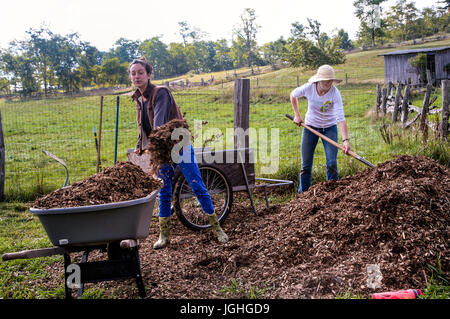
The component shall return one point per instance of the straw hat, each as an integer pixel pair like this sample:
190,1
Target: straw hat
324,73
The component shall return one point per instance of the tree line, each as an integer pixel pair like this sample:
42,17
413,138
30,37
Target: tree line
47,62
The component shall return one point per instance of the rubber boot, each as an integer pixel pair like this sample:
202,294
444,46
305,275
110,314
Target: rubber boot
214,222
164,230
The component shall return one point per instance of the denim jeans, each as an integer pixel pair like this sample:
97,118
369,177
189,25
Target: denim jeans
191,172
309,143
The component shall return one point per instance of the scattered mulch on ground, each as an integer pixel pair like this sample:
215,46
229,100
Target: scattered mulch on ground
317,245
121,182
161,143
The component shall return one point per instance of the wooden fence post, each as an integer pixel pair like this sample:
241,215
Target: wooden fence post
378,102
241,110
384,95
397,103
390,88
423,117
405,105
445,85
2,161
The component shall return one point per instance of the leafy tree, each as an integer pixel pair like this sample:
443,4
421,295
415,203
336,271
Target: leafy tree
222,58
274,51
420,63
198,56
238,53
343,40
246,33
178,61
445,4
21,66
402,20
113,72
314,31
41,47
126,50
157,53
89,59
304,53
65,62
369,14
297,30
189,32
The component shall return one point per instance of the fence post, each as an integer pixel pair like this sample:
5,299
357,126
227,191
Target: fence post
405,105
423,117
390,88
378,105
298,81
2,161
445,85
100,136
384,100
397,103
241,110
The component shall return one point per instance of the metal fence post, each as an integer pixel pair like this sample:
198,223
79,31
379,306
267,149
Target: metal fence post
2,161
117,129
445,85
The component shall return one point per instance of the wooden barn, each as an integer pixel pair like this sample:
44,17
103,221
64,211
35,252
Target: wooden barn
397,68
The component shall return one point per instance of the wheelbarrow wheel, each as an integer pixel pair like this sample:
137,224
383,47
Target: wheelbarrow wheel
187,206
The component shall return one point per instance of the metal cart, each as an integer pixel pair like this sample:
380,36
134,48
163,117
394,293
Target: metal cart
223,172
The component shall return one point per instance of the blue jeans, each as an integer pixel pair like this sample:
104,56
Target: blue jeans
191,172
309,143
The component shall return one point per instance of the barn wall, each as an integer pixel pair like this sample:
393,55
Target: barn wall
441,60
398,69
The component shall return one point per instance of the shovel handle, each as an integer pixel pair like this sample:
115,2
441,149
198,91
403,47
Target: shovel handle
352,154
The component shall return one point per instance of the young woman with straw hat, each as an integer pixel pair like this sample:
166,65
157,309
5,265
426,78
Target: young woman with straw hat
325,113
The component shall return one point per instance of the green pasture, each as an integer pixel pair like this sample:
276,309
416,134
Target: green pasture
65,126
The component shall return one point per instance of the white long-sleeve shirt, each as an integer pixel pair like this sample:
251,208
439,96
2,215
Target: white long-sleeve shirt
323,111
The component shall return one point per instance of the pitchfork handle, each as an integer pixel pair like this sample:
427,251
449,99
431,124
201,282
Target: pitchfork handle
332,142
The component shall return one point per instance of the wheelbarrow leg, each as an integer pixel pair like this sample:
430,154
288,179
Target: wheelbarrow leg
84,259
67,262
139,281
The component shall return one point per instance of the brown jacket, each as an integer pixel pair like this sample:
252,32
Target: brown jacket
150,95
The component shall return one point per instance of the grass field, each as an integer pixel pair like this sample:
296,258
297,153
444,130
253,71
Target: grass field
64,127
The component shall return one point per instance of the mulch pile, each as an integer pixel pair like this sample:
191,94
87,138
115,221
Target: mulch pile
318,245
161,143
121,182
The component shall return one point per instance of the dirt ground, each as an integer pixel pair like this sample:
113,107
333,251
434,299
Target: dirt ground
320,244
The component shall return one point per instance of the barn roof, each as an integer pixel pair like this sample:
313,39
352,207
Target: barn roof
424,50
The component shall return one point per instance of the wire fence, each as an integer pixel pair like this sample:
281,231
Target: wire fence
65,128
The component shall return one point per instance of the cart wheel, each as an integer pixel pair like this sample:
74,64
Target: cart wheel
188,207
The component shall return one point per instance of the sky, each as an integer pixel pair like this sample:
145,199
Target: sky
103,22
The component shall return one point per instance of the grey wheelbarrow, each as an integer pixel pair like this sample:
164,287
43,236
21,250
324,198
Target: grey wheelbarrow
114,227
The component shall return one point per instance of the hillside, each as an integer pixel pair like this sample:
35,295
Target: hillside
361,67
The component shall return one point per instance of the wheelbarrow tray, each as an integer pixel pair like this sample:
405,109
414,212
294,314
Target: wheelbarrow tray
98,223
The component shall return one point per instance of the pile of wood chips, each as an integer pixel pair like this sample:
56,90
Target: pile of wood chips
161,143
121,182
320,244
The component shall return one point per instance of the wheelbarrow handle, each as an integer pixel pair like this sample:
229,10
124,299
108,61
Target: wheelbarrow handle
353,154
25,254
